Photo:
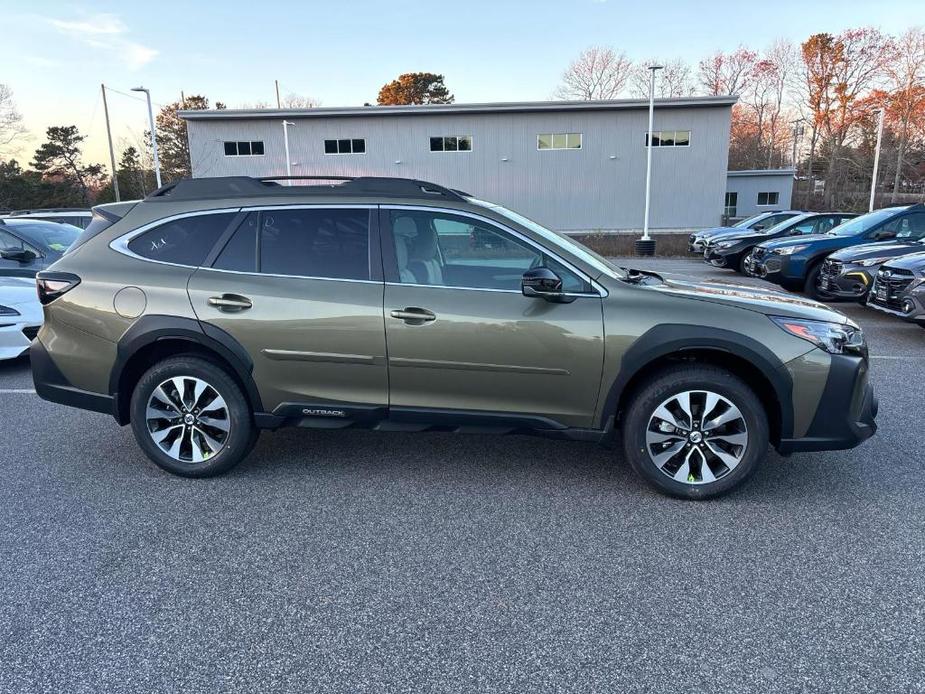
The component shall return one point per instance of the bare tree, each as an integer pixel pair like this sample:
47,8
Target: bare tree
672,81
598,73
298,101
11,127
726,73
906,86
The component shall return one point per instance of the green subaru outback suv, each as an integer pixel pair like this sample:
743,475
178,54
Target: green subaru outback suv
218,307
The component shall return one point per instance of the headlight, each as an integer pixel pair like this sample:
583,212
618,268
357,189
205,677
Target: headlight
790,250
7,311
725,244
834,338
872,261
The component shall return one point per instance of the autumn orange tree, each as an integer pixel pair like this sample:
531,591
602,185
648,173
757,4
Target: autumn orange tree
415,88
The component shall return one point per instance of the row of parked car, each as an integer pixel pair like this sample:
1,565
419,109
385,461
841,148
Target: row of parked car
30,240
876,258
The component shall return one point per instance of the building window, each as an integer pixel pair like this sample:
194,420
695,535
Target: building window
254,148
768,198
729,210
352,146
670,138
452,143
558,141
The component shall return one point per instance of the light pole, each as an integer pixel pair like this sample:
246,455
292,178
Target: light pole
645,245
157,162
286,125
873,180
112,152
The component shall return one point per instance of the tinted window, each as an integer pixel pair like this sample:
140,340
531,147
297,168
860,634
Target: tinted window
231,149
240,253
315,243
910,226
865,222
184,241
453,251
256,148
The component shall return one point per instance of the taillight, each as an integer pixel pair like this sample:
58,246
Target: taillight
51,285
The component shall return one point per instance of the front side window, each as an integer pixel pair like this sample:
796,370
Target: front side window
451,143
558,141
670,138
730,205
245,148
183,241
768,198
910,226
356,145
449,250
325,243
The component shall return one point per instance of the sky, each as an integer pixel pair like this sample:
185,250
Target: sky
54,55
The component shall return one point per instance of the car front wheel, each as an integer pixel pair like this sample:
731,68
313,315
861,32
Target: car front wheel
191,418
811,287
695,432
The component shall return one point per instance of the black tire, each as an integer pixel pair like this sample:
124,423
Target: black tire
236,444
679,379
811,285
740,265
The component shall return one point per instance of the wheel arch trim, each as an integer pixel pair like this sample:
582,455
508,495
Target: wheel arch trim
675,339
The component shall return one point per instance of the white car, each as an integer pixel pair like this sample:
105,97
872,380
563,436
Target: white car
20,315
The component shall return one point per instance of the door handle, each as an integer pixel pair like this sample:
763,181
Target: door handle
230,302
413,315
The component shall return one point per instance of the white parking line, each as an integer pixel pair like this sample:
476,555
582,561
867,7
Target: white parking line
23,391
897,357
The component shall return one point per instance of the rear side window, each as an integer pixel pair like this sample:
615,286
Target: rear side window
184,241
240,253
328,243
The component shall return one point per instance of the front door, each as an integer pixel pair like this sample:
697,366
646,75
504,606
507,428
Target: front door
300,288
463,340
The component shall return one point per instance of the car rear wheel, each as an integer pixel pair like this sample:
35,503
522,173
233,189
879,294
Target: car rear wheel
695,432
191,418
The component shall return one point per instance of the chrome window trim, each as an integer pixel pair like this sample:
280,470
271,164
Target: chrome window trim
600,290
294,277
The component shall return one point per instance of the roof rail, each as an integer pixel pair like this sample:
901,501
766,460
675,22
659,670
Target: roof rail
247,186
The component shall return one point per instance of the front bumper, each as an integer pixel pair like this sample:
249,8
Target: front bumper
846,413
845,281
15,337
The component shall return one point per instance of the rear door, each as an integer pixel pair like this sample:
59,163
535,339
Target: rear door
463,341
300,288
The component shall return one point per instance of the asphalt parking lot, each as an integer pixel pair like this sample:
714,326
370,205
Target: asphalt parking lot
372,562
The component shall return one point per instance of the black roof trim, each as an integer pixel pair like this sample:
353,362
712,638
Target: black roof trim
247,186
46,210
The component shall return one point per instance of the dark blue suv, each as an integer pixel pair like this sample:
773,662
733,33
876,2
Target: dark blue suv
795,263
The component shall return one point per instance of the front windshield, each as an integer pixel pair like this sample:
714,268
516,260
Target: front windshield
52,236
563,241
746,223
859,225
783,226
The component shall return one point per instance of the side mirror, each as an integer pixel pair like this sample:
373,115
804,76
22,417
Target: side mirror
759,227
21,255
884,234
543,283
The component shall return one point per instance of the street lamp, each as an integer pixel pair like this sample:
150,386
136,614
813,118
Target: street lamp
645,245
157,163
873,180
286,125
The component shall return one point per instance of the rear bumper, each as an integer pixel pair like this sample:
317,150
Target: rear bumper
51,385
846,413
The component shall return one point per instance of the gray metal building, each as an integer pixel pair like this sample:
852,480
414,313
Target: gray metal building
758,190
574,166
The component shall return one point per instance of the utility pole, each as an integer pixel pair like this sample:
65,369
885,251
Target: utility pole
797,134
112,153
645,245
278,103
873,180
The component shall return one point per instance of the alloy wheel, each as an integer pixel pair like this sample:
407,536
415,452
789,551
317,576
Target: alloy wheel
696,437
188,419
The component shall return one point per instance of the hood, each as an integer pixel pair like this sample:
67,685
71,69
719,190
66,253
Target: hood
718,231
913,261
797,240
16,291
767,301
885,249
